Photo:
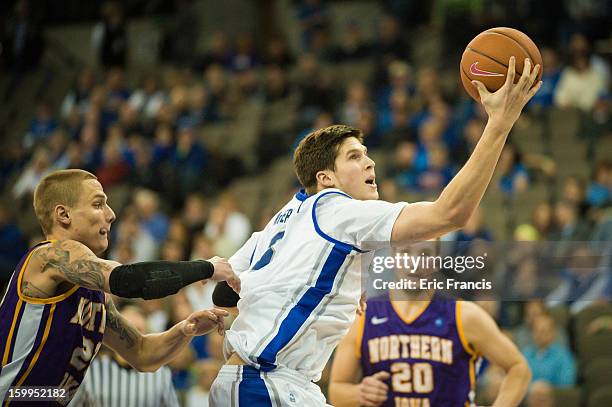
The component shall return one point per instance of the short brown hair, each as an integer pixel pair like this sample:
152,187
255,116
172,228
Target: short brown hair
318,151
58,188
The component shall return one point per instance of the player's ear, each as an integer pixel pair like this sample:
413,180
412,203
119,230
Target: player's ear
325,179
62,215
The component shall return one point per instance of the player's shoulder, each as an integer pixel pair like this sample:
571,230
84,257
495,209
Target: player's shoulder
471,314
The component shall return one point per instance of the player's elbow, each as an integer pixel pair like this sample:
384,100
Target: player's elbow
521,371
454,216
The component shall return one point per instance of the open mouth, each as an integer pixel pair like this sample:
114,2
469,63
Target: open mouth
371,181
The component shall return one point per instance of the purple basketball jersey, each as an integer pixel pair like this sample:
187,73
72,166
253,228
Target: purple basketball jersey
428,359
48,342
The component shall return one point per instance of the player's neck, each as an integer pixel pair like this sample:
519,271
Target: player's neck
409,304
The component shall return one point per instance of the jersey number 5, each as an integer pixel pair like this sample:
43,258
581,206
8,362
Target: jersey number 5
267,256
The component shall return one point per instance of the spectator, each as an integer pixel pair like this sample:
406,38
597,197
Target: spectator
219,52
574,192
353,46
130,232
515,178
190,159
549,361
77,99
277,53
315,88
13,245
152,220
438,172
356,100
36,169
551,73
41,126
206,371
195,215
109,37
148,99
541,394
312,18
245,56
114,169
599,192
227,226
581,84
586,278
568,225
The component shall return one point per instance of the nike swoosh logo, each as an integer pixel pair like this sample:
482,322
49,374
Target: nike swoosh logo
378,321
479,72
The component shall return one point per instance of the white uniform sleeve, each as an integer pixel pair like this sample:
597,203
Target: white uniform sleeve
366,225
241,260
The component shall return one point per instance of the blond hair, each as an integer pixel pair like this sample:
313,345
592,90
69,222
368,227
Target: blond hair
58,188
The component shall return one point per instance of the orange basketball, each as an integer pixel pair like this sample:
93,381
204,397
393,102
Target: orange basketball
486,58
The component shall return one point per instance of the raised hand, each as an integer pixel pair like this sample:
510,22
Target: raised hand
505,105
202,322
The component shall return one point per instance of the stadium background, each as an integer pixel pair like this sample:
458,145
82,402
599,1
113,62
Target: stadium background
188,112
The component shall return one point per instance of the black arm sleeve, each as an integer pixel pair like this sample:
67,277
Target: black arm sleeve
157,279
224,295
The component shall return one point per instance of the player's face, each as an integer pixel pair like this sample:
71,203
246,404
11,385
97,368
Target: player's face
91,217
354,173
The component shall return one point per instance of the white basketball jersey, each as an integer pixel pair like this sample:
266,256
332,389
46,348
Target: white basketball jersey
301,279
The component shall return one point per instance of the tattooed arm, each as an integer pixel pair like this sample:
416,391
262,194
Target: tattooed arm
65,261
148,353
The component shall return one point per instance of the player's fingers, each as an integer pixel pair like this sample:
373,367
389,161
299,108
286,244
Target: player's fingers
221,327
534,75
534,90
481,88
526,68
511,71
382,375
219,312
372,399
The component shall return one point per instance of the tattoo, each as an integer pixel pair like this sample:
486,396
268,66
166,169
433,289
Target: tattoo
82,271
32,291
119,325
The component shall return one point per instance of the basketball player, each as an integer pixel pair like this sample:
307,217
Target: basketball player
416,350
55,312
301,273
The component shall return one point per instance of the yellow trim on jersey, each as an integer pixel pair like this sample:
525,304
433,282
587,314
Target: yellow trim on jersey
460,331
473,372
414,318
40,347
50,300
360,328
10,335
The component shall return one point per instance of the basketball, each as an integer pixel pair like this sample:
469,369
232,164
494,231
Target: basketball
486,58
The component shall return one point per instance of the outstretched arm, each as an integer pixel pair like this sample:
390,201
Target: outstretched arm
457,202
148,353
73,262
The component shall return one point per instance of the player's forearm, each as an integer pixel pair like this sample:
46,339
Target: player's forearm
463,194
344,394
514,386
157,279
159,349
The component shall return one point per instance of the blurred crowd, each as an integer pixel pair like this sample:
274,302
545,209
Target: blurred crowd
148,140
